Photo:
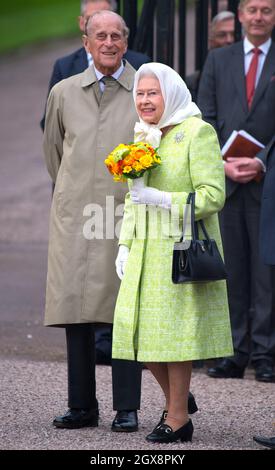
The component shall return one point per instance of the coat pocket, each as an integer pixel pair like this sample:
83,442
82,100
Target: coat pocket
63,196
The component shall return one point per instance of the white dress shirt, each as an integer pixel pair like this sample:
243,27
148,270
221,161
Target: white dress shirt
248,54
115,75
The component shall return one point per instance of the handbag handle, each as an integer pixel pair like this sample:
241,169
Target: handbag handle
190,203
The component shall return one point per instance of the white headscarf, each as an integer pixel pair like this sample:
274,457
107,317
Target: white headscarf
177,100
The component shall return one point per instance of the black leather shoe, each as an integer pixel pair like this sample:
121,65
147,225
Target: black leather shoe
226,369
264,371
265,441
76,418
165,433
125,421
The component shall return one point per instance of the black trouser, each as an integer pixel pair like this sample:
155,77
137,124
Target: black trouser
126,375
126,378
251,289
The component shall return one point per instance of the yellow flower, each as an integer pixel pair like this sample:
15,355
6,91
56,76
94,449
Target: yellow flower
118,178
137,166
108,161
146,161
127,169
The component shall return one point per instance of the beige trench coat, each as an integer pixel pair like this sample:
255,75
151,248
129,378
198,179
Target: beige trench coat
82,127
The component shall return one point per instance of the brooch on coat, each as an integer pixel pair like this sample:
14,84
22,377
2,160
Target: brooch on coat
179,137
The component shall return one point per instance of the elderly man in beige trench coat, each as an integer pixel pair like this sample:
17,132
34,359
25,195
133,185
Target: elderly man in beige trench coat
87,116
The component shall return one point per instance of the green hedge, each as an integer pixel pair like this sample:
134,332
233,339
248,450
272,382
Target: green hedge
29,21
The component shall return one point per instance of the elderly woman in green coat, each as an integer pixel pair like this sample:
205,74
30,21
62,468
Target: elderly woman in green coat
162,324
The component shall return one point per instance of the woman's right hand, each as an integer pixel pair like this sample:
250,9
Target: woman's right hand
121,260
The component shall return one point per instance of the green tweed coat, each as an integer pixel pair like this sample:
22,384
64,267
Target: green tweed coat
156,320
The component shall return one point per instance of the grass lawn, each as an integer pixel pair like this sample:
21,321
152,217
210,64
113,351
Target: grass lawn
29,21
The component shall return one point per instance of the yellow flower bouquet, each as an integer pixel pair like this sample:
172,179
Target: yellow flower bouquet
132,160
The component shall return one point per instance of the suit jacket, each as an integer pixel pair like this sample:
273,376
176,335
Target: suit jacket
222,99
267,220
192,81
77,62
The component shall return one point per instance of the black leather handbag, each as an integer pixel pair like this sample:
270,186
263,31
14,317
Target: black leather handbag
196,260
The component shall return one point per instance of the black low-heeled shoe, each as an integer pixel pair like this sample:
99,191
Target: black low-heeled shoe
192,405
192,408
165,433
162,419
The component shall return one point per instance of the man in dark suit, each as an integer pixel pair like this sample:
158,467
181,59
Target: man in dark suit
267,234
221,34
237,91
267,220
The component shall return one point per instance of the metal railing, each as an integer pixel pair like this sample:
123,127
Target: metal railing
161,29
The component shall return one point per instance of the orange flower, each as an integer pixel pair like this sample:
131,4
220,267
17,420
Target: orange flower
140,153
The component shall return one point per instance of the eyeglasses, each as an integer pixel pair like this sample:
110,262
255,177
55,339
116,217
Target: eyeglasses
115,37
224,34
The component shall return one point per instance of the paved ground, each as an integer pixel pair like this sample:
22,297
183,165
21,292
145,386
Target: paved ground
25,196
32,358
231,411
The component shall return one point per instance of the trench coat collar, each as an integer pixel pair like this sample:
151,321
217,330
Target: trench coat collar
126,79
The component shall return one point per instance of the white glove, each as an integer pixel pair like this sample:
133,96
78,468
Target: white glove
151,196
121,260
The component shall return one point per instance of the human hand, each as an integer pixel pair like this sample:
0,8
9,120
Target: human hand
150,196
121,260
242,169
